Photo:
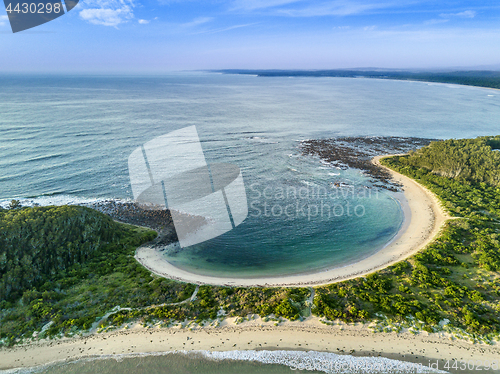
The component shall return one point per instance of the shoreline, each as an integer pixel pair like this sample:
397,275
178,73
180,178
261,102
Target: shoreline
310,335
424,218
356,77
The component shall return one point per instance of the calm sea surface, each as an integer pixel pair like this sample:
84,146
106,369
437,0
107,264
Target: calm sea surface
67,139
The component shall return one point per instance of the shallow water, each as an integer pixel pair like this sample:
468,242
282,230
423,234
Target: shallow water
170,364
231,362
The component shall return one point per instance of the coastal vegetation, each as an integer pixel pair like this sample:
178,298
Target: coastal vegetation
64,268
456,278
41,242
461,160
479,78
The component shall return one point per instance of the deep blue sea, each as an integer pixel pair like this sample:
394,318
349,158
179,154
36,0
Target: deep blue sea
67,139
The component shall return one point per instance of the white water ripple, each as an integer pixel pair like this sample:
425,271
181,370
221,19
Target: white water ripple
323,361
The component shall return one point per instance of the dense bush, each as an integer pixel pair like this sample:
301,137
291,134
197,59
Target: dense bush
38,243
461,160
457,276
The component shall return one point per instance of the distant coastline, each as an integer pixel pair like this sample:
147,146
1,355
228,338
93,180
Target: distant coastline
424,218
476,78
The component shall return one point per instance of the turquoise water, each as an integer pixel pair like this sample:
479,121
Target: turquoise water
67,139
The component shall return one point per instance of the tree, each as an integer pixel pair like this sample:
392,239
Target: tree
14,204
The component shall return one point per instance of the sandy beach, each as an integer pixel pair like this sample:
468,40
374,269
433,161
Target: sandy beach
310,334
424,217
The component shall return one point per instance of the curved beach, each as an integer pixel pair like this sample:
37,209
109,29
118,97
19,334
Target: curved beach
309,335
424,218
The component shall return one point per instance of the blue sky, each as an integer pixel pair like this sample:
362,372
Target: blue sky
165,35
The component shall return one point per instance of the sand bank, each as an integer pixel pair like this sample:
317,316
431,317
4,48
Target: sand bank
424,218
310,334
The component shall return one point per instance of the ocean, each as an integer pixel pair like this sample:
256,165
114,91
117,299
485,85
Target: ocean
241,362
67,139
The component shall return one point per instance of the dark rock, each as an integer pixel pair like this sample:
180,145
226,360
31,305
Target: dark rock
357,152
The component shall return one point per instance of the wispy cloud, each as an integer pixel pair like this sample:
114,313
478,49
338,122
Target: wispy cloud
196,22
197,25
3,20
169,2
464,14
337,8
260,4
214,31
204,21
308,8
446,17
143,21
106,12
436,21
434,35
